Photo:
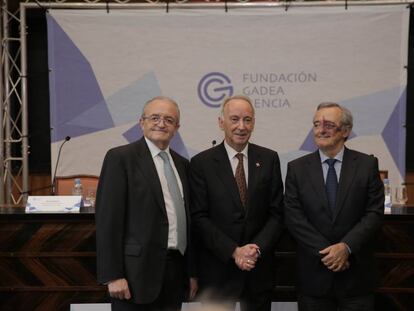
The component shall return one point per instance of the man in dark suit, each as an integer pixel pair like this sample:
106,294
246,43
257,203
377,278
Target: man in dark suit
142,217
334,203
237,194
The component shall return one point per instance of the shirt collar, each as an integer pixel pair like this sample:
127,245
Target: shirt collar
339,156
232,153
154,149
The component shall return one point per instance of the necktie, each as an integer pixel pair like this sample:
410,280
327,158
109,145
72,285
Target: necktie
331,184
178,202
241,180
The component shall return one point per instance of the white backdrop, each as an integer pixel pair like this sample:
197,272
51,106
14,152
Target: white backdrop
105,66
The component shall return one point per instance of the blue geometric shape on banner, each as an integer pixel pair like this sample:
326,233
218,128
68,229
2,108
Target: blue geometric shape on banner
126,104
309,143
72,74
394,133
92,119
135,132
86,111
177,145
372,111
376,114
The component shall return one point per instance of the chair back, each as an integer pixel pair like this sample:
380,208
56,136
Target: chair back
64,184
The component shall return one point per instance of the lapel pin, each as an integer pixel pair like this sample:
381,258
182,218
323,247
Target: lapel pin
257,164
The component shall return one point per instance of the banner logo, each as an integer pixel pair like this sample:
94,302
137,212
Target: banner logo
213,88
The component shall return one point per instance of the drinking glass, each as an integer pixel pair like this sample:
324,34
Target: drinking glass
401,196
90,197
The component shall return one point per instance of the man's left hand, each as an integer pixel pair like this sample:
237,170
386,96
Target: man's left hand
335,257
193,288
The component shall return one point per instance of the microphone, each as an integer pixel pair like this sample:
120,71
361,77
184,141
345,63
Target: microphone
213,143
67,138
53,184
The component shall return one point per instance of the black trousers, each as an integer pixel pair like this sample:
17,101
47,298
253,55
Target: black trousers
172,291
251,299
256,301
333,303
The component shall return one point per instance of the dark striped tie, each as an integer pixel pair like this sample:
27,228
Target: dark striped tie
331,184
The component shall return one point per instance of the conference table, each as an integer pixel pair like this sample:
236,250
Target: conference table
48,261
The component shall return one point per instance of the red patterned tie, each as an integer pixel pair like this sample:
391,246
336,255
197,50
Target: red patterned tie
241,180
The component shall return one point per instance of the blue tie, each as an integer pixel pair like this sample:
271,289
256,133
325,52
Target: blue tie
177,201
331,184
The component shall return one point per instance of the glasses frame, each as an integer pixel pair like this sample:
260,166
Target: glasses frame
156,119
327,126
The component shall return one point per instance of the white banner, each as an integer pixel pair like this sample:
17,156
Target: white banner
104,66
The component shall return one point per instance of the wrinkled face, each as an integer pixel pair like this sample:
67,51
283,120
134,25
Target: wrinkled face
328,132
237,123
160,122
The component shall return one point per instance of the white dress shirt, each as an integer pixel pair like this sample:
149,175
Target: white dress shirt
169,205
338,164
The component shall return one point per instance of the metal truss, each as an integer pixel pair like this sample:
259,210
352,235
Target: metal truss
13,116
14,147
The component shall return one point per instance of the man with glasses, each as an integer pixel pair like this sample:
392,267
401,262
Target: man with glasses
142,217
334,203
236,206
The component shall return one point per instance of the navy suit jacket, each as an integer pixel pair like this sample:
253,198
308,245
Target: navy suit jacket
355,220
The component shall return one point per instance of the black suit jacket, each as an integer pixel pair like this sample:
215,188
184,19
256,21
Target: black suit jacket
355,220
131,219
221,222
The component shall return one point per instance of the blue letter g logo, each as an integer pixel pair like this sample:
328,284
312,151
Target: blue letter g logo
213,88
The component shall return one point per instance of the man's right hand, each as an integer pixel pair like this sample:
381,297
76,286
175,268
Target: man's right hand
246,256
119,289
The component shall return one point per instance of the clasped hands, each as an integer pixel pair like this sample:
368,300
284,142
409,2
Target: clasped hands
246,256
335,257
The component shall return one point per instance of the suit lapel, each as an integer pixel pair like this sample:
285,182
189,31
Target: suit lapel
146,165
255,167
225,172
348,170
318,182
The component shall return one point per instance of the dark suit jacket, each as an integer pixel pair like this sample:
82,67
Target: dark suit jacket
221,222
355,220
131,219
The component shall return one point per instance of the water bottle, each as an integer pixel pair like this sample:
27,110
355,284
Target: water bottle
77,187
387,193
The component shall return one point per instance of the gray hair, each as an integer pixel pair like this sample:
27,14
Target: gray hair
163,98
241,97
347,121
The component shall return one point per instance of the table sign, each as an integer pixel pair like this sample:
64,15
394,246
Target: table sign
53,203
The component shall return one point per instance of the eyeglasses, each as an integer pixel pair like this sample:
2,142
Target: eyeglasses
326,125
156,119
246,120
